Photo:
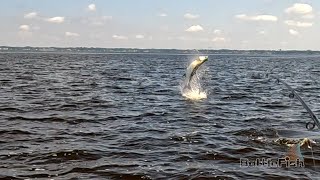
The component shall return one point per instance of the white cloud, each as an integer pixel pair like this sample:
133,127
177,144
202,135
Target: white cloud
298,23
31,15
241,16
184,38
245,42
217,31
163,15
263,17
204,39
119,37
262,32
106,18
308,16
24,27
56,19
36,28
219,39
293,32
71,34
191,16
181,38
98,21
140,36
92,7
195,28
299,8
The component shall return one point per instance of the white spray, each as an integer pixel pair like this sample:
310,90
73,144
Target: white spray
191,87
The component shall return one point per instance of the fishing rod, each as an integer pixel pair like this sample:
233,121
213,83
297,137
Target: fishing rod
311,124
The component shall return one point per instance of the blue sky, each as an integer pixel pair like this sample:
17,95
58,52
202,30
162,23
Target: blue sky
182,24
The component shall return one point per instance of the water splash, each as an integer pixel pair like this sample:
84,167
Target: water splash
196,91
194,95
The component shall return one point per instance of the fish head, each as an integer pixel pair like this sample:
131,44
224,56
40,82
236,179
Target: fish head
199,61
196,64
202,59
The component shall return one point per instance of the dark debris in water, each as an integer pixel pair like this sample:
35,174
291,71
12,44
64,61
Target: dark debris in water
253,132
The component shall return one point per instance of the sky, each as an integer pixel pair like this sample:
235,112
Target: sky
179,24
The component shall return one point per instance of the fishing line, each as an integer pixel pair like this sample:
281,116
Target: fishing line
314,161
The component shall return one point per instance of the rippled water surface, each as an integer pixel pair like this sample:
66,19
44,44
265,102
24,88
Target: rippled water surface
122,116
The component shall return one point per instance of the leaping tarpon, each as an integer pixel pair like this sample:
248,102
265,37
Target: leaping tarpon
192,69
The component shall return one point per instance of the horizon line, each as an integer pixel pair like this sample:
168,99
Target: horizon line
66,47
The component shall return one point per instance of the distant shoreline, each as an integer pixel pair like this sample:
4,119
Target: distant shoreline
87,50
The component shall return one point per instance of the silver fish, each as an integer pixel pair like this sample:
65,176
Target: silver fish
192,69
